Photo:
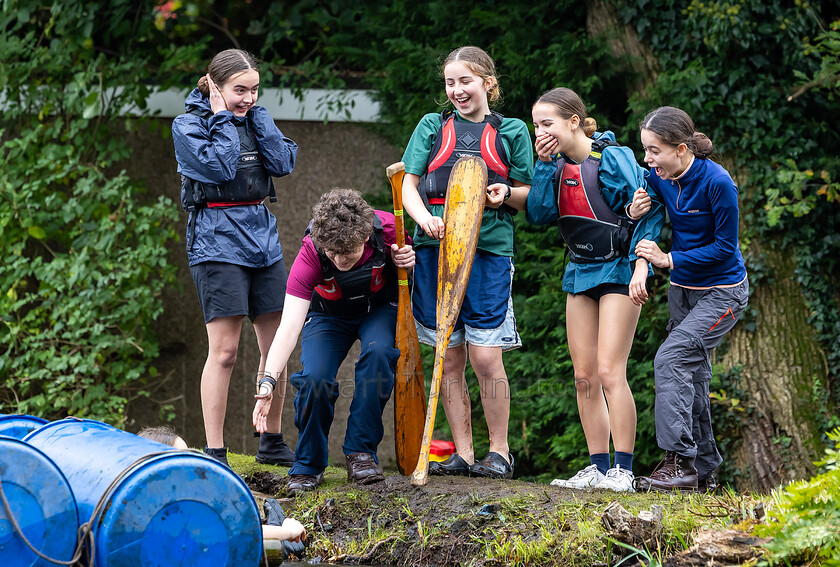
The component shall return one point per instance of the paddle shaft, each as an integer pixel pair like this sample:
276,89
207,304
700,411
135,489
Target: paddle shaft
409,386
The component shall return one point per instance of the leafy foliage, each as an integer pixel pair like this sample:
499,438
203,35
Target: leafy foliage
803,522
85,256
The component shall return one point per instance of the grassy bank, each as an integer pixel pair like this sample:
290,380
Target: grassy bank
466,521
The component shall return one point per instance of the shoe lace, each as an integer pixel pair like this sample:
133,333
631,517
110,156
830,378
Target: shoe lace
360,463
585,473
301,477
618,472
668,470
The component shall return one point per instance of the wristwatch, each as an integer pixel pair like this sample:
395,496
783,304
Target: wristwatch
507,195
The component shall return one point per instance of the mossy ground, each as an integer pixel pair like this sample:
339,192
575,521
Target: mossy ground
480,522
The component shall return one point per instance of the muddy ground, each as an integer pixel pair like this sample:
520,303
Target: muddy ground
483,522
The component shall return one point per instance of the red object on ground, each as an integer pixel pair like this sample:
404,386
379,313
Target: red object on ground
440,450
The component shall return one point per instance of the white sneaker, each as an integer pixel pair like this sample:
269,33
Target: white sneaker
617,479
583,480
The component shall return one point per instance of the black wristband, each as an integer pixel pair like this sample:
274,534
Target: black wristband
507,195
268,379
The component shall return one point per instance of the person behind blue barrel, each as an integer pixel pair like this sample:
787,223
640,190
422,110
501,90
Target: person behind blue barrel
584,182
277,526
342,288
709,291
228,148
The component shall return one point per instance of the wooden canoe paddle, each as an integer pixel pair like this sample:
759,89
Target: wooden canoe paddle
465,196
409,385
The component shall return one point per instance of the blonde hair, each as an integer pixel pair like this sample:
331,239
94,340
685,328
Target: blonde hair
479,62
568,103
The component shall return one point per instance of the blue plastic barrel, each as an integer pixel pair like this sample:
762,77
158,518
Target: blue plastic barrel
155,506
19,426
41,503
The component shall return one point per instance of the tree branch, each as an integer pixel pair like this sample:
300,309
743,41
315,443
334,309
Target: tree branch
813,84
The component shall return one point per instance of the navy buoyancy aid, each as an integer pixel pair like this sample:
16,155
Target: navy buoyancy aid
459,138
360,289
251,185
591,230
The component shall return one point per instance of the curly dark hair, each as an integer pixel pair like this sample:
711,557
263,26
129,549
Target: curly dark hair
341,221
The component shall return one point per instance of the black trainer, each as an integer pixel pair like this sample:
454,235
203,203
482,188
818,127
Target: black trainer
274,451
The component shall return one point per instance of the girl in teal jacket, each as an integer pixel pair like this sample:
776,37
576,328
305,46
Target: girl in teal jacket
585,182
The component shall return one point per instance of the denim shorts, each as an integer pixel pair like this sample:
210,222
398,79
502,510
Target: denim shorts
226,290
486,318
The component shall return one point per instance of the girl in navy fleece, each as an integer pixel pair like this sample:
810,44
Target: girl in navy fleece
709,290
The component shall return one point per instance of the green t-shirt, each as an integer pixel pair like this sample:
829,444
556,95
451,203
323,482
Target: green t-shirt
496,236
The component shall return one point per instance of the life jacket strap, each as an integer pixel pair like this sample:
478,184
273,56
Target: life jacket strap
221,204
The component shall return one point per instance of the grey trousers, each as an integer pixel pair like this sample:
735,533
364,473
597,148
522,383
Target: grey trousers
683,370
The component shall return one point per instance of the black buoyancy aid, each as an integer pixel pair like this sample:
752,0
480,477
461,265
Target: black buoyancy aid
459,138
251,185
359,290
591,230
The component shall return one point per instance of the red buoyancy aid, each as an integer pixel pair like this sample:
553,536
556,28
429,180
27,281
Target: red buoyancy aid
359,290
459,138
591,230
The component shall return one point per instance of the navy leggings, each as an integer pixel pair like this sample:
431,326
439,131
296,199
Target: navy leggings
325,342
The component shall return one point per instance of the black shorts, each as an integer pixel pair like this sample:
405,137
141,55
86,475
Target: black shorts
226,290
599,291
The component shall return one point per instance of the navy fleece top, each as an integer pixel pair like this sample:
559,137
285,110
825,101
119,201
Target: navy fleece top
703,208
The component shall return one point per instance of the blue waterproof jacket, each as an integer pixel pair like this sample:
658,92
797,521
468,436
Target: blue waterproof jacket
207,150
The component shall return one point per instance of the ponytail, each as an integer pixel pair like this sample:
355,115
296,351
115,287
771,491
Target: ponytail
674,126
589,126
225,65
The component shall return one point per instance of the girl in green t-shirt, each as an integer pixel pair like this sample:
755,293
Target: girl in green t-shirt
486,320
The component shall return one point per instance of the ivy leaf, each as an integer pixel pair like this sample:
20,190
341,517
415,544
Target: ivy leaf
91,105
37,232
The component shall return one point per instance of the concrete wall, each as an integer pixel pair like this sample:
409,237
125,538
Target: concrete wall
330,155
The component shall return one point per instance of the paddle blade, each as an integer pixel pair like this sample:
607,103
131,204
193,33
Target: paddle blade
465,196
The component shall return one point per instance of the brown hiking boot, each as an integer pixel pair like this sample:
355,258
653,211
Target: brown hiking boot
363,469
675,472
299,483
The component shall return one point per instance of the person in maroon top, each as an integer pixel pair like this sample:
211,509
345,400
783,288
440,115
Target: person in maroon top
342,287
